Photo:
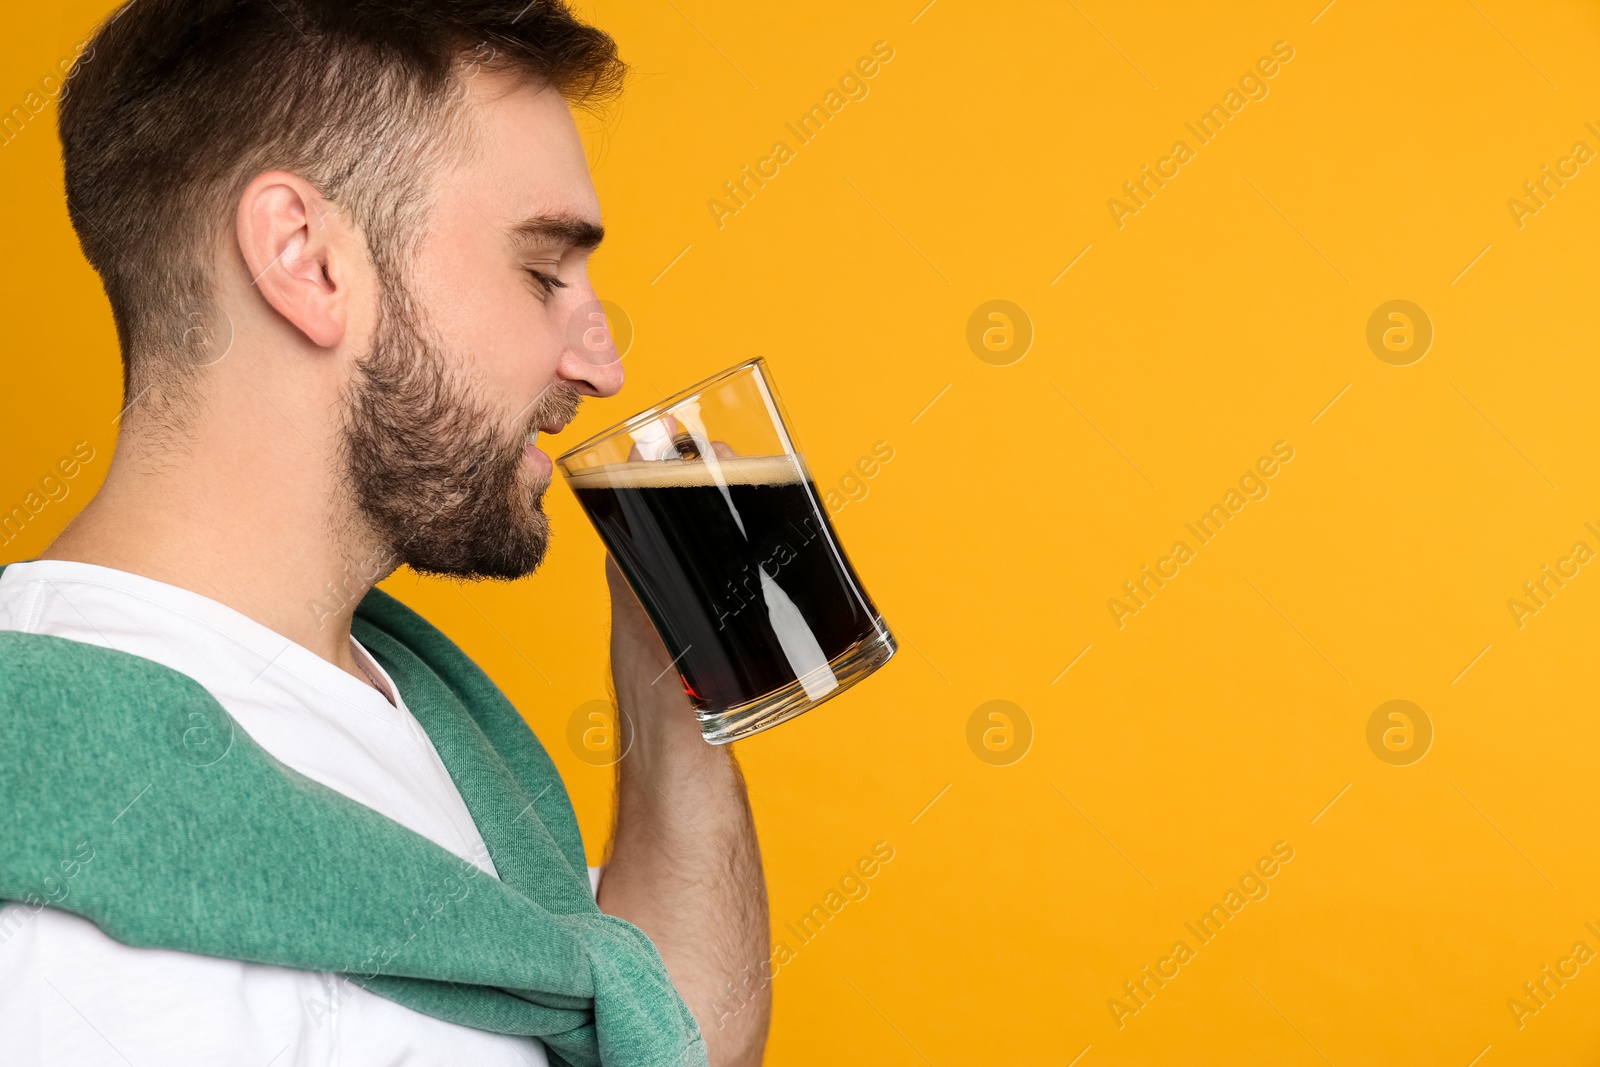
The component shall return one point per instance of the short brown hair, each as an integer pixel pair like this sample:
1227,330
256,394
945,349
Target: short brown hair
185,101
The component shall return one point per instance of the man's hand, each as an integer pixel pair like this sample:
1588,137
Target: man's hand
633,630
684,865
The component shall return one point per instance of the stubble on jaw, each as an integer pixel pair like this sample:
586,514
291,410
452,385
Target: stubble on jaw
427,467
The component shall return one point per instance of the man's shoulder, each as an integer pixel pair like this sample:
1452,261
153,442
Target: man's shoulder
44,663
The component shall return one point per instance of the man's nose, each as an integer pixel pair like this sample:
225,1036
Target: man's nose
590,357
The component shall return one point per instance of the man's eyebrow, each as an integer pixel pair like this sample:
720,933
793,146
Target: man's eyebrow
573,230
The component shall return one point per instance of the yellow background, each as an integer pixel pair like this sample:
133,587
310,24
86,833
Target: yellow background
1223,317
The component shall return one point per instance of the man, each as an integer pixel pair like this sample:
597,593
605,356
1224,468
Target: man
345,246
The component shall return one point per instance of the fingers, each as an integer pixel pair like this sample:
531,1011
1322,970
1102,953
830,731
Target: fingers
668,439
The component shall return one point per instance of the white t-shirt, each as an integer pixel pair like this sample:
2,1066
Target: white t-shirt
71,995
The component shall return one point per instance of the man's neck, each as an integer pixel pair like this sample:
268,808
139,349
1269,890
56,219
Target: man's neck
241,526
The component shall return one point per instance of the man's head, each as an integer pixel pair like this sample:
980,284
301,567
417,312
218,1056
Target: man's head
376,217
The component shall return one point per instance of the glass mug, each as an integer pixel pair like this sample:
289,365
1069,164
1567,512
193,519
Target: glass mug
714,521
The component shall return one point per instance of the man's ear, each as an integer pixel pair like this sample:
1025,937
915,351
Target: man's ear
295,251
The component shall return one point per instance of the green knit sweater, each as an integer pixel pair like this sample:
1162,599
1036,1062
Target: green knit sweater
229,853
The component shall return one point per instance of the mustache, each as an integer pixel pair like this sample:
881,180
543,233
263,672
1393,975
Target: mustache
557,403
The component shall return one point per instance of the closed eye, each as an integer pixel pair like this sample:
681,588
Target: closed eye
548,283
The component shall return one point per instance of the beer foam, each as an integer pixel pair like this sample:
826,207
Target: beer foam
684,474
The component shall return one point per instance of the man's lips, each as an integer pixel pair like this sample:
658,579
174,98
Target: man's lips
547,427
530,448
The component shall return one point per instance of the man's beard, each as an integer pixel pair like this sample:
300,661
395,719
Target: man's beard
431,471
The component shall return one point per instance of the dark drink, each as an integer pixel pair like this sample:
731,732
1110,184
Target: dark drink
705,504
738,567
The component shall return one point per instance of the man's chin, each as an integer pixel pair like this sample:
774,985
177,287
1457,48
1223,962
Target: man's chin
492,566
501,551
